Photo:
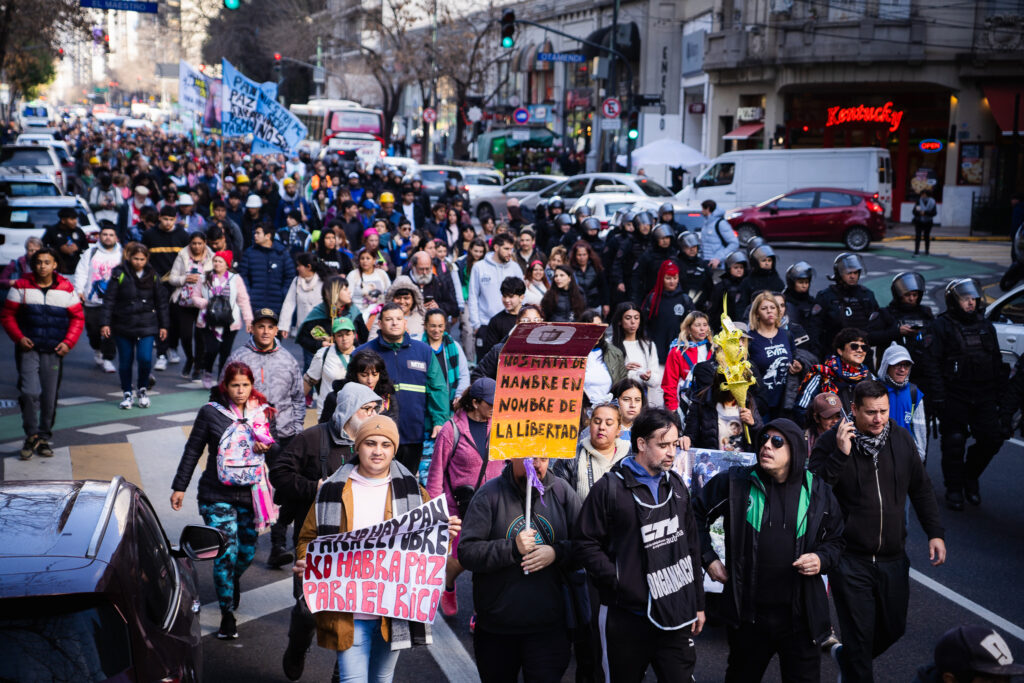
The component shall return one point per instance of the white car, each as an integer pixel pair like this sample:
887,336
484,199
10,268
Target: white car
407,165
35,139
576,186
493,201
477,181
42,157
1007,315
26,182
603,205
24,217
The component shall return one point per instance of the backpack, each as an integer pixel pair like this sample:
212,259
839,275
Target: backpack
218,310
237,463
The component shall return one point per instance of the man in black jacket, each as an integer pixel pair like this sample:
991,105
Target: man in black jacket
783,530
647,575
847,303
873,465
296,474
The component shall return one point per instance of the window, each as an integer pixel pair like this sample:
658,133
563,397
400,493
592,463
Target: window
653,189
25,157
156,568
483,180
35,217
553,190
28,188
719,174
801,200
1012,311
828,200
574,189
355,122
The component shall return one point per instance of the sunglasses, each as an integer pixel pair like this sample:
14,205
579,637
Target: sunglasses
776,441
857,346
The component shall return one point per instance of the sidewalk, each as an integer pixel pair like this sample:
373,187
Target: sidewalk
954,242
942,233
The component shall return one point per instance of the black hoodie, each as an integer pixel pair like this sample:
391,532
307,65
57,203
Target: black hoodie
810,520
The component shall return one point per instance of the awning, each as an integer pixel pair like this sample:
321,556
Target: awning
1003,100
517,56
544,66
528,58
744,132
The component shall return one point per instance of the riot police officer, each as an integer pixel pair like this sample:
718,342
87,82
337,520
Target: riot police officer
762,276
667,216
904,321
619,256
728,292
967,380
660,250
846,302
582,213
799,302
694,272
564,233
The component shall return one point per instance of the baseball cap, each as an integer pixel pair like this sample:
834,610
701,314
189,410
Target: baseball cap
342,324
975,649
265,313
826,405
142,190
483,390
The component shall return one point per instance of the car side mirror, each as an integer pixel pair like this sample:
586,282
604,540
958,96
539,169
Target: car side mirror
199,542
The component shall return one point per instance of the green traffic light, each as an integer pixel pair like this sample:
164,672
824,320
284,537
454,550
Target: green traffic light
232,4
506,42
633,134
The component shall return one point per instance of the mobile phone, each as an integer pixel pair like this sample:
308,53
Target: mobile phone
842,411
428,299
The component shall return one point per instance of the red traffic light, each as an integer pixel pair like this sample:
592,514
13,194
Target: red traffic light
277,56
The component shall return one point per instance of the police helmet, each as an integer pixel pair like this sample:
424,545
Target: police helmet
738,256
353,176
801,270
451,184
907,281
753,243
563,219
591,223
848,263
761,251
666,208
644,218
584,211
663,231
556,203
959,289
688,239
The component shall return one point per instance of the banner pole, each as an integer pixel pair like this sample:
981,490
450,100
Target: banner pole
529,505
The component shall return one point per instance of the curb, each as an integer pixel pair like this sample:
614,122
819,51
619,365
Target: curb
965,238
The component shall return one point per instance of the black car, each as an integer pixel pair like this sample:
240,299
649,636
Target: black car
90,589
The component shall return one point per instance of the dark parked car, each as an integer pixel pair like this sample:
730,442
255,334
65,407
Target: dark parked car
90,589
814,214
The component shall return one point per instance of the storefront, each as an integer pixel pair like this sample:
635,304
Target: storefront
914,126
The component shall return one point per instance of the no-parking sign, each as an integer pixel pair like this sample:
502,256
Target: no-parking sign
521,115
611,108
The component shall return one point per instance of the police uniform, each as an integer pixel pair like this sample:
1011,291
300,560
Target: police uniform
839,306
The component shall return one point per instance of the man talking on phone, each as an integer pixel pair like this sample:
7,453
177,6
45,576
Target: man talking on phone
873,466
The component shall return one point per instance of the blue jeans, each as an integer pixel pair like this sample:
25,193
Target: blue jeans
370,659
127,348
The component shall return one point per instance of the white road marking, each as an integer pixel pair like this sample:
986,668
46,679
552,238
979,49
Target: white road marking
1017,442
77,400
450,655
109,428
36,467
157,454
179,417
1004,625
119,394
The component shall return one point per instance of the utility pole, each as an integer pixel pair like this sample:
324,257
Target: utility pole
318,80
428,126
607,143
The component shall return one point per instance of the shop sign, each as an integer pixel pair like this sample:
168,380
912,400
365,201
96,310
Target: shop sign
749,113
862,114
930,145
696,108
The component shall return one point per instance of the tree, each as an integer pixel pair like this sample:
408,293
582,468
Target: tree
30,32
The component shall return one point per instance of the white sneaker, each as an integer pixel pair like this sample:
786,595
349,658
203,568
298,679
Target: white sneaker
143,399
161,363
172,357
97,357
108,367
126,404
207,380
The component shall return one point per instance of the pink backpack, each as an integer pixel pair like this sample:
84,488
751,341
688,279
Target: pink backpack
238,464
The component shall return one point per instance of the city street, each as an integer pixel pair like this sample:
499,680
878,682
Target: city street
94,439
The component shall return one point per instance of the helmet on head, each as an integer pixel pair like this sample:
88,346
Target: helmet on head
847,263
738,256
753,243
386,197
666,208
907,281
451,184
583,211
960,289
663,231
353,176
591,223
556,203
801,270
688,239
644,217
563,219
762,251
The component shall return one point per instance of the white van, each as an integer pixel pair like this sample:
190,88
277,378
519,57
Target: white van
35,115
740,179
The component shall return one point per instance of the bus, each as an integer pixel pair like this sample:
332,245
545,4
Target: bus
341,127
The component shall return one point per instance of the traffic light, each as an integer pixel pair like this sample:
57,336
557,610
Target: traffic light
633,125
60,53
106,42
277,66
508,29
232,4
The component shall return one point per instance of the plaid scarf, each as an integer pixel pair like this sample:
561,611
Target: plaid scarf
872,444
405,495
835,370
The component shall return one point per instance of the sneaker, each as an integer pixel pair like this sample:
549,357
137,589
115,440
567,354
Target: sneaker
97,357
449,603
126,404
186,369
228,630
44,448
151,382
197,374
294,661
160,364
207,380
29,447
108,367
279,557
143,399
172,357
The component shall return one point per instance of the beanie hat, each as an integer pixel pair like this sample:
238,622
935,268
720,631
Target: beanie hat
226,255
378,425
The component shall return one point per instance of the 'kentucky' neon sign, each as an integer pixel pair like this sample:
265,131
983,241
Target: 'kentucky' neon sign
884,114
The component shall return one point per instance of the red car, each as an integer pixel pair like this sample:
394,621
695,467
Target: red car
814,214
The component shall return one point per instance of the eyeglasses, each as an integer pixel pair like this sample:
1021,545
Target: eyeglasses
857,346
776,441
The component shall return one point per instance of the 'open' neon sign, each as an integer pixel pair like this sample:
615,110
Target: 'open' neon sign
861,114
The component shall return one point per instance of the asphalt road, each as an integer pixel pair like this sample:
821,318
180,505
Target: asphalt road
979,583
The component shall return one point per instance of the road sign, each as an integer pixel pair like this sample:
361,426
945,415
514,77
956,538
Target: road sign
570,57
474,114
609,124
429,115
611,108
652,101
521,116
319,75
123,5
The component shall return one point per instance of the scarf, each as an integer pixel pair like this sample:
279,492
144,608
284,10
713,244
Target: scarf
405,495
834,370
872,444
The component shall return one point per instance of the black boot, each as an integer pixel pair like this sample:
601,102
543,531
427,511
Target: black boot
228,630
972,492
955,500
279,556
294,660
